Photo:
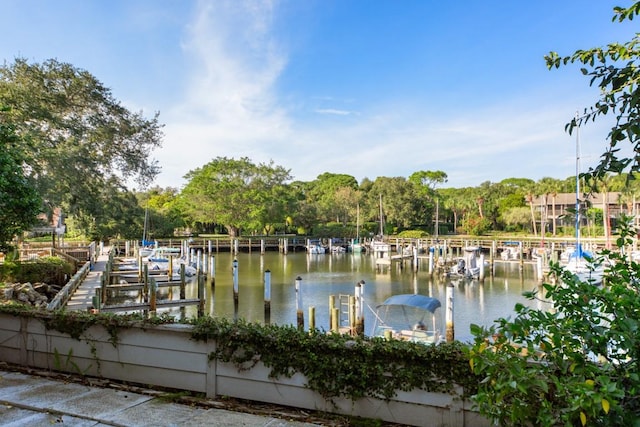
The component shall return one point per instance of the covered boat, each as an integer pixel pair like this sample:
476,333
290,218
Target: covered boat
410,317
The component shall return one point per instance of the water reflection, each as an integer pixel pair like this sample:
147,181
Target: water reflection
335,274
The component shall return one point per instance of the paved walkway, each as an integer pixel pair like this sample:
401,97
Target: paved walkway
32,400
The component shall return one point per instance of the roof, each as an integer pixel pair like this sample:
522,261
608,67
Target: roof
413,300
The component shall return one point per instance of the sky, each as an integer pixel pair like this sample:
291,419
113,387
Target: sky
359,87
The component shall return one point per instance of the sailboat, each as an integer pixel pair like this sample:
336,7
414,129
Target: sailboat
381,249
580,262
356,245
147,247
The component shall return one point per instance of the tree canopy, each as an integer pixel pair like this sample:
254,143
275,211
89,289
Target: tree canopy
614,70
19,200
238,194
75,138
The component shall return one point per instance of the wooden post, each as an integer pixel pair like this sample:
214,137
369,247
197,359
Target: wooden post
299,313
449,314
335,320
492,255
431,251
481,275
332,305
145,288
360,308
312,318
352,315
170,272
200,295
153,294
286,245
235,280
183,282
212,270
267,291
262,246
539,270
521,247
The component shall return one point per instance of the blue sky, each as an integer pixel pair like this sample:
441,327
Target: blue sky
361,87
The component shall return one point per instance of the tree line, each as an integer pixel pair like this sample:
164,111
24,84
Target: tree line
73,146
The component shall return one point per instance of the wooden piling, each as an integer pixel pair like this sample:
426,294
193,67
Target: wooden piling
183,282
200,295
449,334
235,280
312,318
335,320
212,270
267,291
153,288
332,305
352,314
360,308
299,313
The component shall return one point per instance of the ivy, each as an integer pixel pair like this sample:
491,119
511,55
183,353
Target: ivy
339,365
334,365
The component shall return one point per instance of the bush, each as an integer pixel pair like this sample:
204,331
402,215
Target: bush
413,234
574,364
50,270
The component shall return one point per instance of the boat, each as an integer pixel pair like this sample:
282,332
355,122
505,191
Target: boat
356,245
582,262
409,317
160,258
316,248
469,265
147,246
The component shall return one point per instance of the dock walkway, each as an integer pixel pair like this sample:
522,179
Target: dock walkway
83,296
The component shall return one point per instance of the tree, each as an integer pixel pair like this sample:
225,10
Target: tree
574,364
238,194
19,201
577,363
324,190
614,69
401,205
75,137
426,182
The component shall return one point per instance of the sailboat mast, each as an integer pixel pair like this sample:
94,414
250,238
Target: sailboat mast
381,218
578,247
144,230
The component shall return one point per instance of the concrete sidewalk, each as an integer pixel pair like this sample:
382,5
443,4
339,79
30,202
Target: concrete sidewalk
32,400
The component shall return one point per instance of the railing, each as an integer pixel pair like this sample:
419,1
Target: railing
67,291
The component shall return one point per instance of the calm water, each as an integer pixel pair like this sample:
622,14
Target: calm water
334,274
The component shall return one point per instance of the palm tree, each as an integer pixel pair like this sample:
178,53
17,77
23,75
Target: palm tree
530,196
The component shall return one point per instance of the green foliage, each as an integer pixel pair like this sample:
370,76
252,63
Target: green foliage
67,364
19,201
573,364
80,146
238,194
338,365
475,225
413,234
614,70
50,270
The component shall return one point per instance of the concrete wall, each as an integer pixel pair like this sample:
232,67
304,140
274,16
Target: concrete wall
166,356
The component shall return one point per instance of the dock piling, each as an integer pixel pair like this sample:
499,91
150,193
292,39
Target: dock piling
449,315
299,313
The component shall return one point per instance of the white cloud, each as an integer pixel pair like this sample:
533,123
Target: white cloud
333,111
231,108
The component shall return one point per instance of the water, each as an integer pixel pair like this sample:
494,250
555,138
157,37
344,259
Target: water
333,274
